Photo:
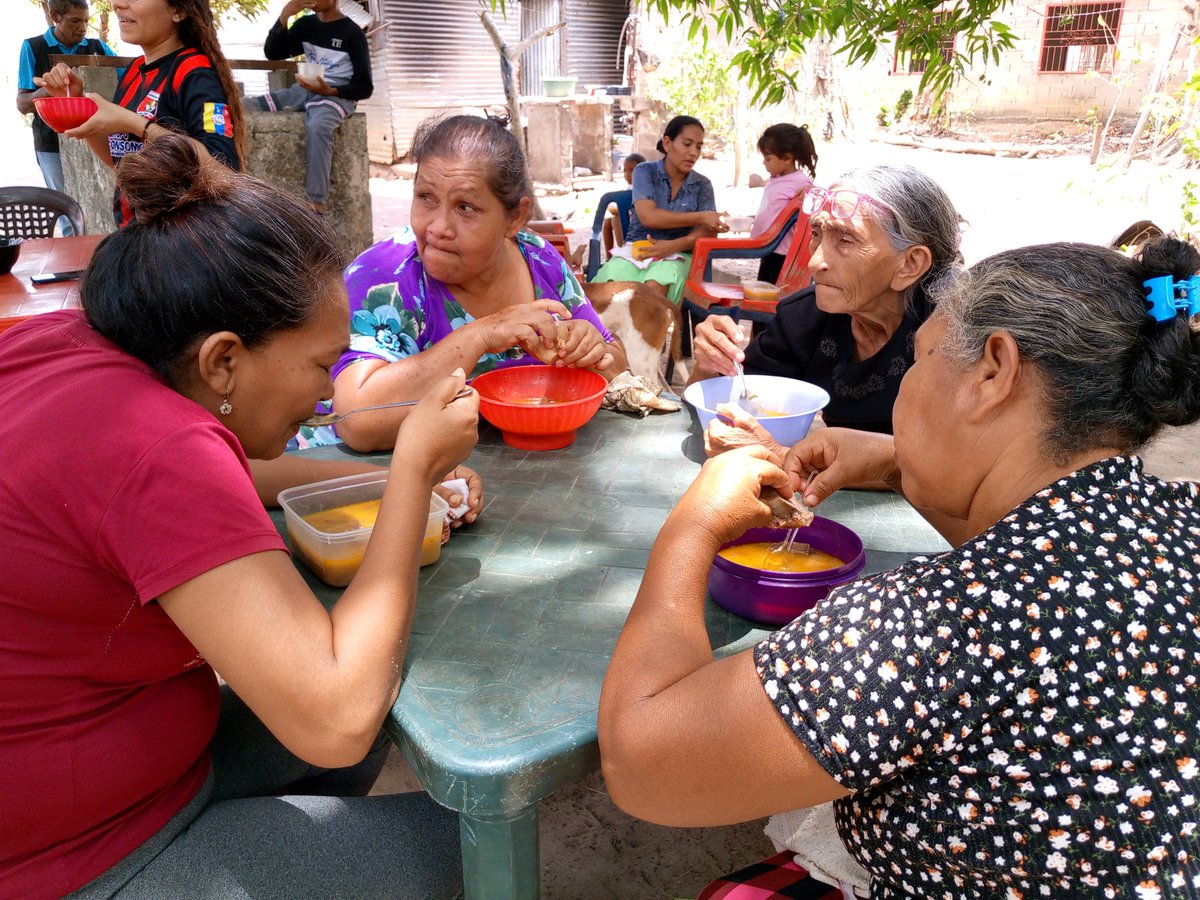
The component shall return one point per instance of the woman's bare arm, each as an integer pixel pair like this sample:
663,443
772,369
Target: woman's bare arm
323,681
687,740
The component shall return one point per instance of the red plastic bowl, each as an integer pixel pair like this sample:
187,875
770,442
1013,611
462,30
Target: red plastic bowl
505,395
62,113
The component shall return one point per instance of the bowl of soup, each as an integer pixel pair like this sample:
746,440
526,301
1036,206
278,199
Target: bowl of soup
786,406
330,522
773,588
539,407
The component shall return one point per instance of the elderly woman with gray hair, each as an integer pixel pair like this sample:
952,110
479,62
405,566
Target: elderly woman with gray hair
880,237
1017,716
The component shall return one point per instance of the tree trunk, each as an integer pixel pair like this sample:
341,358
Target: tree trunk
510,73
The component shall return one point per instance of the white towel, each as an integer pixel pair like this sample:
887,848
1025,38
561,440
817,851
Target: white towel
458,486
625,251
812,835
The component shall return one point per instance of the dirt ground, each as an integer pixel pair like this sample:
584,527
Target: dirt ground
591,850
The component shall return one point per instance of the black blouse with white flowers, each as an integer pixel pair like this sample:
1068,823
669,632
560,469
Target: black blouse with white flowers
1019,717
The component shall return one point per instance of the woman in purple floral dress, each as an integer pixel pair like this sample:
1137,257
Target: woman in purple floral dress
463,286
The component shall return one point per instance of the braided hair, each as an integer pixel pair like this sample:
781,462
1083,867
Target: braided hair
199,30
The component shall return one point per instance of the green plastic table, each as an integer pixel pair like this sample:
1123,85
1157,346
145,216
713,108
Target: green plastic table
516,622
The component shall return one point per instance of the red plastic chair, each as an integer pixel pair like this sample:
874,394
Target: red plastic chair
554,233
703,292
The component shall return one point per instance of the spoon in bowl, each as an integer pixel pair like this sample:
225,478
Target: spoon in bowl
739,394
333,418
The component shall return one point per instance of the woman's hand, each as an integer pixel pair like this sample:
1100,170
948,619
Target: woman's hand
841,457
474,498
61,81
715,346
581,346
724,501
108,119
524,324
658,249
441,431
741,430
712,220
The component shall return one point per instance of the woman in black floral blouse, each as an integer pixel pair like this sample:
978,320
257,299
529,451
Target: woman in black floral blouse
1018,717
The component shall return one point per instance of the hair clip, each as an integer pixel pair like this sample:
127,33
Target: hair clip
1168,297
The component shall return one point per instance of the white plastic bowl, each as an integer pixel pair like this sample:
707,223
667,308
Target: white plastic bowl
799,399
310,71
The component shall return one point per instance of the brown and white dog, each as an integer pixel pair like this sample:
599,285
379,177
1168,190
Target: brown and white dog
646,322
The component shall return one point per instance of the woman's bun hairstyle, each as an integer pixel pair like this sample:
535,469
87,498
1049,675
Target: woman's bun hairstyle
1165,375
169,178
208,250
1080,315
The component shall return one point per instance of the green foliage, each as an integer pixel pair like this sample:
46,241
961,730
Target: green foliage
770,29
705,89
902,105
247,8
881,117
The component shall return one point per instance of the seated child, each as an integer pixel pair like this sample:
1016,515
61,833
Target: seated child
329,39
784,148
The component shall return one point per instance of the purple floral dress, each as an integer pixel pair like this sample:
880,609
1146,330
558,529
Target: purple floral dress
396,310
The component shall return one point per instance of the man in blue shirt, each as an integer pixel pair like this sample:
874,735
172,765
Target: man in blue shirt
66,36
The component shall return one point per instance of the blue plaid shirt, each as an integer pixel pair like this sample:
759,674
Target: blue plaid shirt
651,182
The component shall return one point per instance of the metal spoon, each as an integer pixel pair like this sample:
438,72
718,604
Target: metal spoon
739,394
333,418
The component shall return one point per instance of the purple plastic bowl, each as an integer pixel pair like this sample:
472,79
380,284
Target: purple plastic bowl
775,598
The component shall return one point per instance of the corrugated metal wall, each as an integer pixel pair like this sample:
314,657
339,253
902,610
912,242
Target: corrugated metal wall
439,58
593,30
542,57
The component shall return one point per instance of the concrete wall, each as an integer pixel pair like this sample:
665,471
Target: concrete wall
277,155
1015,88
564,132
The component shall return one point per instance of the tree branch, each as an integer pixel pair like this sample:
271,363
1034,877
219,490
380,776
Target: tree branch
535,37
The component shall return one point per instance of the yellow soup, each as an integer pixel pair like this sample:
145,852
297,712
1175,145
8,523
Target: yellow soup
759,556
338,568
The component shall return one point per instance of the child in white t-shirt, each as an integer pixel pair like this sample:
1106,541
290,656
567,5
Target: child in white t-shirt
787,150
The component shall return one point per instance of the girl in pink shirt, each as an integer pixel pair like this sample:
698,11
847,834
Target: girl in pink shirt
787,150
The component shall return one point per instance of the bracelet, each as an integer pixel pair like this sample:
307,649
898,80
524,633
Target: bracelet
146,129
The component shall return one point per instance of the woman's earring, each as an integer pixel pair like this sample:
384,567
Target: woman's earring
226,407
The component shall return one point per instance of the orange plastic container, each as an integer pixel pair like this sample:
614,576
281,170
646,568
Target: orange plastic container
539,407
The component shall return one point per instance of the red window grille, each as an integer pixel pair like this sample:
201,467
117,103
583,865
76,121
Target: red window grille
907,64
1080,37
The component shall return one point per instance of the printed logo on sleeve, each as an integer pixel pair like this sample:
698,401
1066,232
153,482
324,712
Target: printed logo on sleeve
216,119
